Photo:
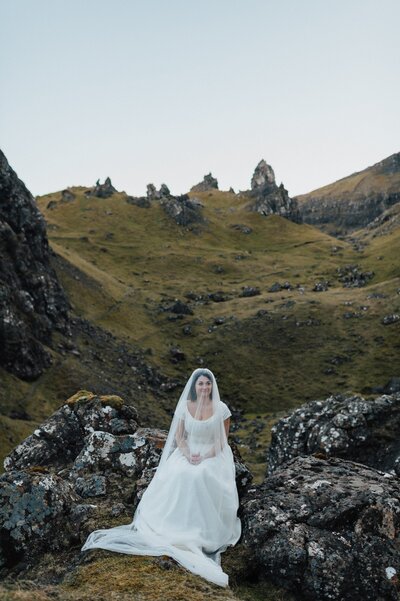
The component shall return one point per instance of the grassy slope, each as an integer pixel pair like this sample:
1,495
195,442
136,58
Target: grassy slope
264,363
370,181
119,263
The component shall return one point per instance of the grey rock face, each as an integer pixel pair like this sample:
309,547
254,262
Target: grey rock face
263,176
269,199
326,530
35,515
209,183
32,302
347,427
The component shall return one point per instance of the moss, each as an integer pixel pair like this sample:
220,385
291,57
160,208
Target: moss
112,400
82,396
37,469
143,578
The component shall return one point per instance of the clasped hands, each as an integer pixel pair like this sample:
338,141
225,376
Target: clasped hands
195,458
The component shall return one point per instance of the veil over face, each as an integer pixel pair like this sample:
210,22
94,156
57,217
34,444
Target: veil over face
198,404
189,509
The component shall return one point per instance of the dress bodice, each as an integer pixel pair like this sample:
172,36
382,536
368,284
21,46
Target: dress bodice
200,432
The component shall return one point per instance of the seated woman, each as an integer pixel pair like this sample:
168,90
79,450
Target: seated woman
189,510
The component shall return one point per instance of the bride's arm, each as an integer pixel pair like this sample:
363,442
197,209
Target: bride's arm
181,440
211,452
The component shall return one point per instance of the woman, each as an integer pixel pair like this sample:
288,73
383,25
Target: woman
189,510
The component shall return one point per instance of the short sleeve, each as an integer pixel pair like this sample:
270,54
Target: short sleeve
180,412
225,411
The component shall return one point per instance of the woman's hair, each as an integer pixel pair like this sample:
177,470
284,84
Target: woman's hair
202,372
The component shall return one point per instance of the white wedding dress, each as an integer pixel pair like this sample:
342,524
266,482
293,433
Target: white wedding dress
188,512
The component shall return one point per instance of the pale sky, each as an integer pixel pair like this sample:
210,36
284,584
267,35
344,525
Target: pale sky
165,91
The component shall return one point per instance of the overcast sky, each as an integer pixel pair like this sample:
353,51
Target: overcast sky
168,90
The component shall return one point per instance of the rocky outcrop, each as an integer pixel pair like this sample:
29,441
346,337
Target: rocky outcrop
269,199
88,462
183,210
326,529
32,302
154,194
102,190
209,183
367,431
354,201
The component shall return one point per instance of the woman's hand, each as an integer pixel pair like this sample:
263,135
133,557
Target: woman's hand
195,458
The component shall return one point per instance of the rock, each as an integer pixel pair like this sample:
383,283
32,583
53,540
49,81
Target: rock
277,286
389,319
102,190
219,297
180,308
67,195
32,302
153,194
349,427
164,191
60,439
240,227
263,176
141,201
183,210
267,198
392,386
209,183
321,286
248,291
35,515
176,355
326,529
353,277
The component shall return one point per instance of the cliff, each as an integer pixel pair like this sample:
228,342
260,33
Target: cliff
354,201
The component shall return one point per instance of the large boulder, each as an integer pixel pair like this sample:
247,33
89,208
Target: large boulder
32,301
38,512
367,431
326,529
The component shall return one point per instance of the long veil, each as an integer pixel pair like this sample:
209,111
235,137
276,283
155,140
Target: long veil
189,510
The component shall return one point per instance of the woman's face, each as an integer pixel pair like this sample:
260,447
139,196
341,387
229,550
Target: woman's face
203,387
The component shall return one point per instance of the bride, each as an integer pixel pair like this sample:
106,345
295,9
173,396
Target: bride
189,510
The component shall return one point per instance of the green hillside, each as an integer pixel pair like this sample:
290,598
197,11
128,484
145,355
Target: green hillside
123,267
